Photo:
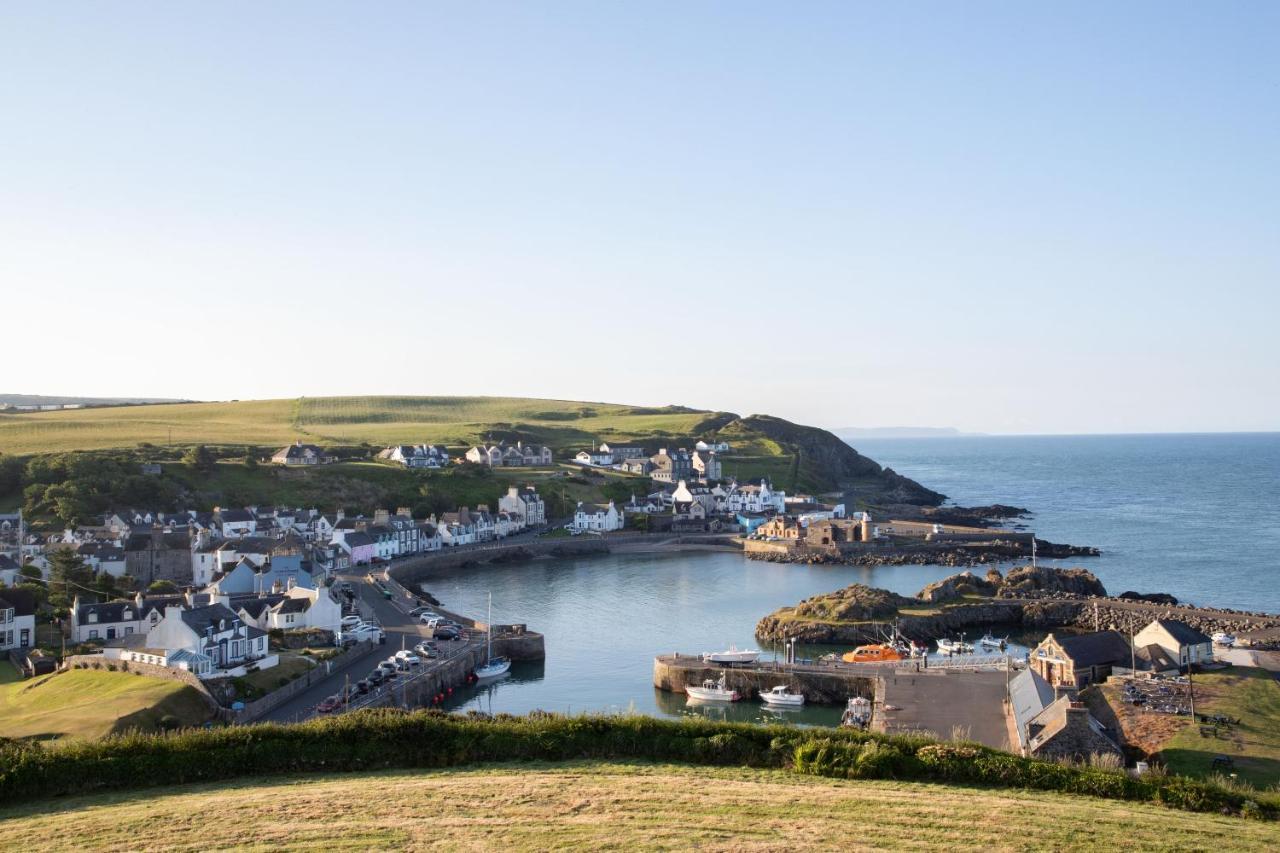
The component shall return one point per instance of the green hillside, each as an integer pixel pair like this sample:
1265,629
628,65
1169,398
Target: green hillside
344,421
88,704
71,465
607,806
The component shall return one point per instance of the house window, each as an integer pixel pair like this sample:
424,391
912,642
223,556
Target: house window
128,630
93,635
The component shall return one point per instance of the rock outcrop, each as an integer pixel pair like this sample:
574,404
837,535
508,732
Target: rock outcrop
1026,580
855,603
958,586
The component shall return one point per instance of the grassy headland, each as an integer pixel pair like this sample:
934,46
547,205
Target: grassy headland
89,704
62,449
611,806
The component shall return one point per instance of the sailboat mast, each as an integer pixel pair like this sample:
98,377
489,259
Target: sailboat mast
488,632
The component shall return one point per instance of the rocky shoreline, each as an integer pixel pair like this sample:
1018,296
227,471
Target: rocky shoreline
1035,599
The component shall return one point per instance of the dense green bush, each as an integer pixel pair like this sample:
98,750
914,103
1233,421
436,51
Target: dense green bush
384,738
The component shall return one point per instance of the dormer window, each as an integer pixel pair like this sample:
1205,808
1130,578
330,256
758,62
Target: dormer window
93,616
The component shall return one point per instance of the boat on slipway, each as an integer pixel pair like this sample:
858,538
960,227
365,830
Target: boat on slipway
781,697
711,691
732,655
877,653
1222,638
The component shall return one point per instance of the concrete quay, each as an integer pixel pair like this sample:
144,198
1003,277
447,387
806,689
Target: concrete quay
832,684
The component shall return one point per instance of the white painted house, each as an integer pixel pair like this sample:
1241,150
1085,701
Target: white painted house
17,619
1179,640
596,517
210,641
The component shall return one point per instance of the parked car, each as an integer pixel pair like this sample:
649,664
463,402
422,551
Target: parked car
329,705
364,685
350,692
376,677
408,657
350,622
447,632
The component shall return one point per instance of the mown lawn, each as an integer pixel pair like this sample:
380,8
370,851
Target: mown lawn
598,806
1252,695
8,673
92,703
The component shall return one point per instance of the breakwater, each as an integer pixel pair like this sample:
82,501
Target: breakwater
823,685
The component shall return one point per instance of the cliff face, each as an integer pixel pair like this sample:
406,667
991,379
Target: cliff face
827,460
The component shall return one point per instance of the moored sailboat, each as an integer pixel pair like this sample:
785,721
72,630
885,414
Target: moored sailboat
492,667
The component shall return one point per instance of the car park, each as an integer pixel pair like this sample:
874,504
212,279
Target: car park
376,677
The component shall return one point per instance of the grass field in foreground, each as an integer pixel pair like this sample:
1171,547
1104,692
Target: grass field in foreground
88,703
336,420
591,806
1247,693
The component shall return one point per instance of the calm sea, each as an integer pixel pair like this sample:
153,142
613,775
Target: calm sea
1195,515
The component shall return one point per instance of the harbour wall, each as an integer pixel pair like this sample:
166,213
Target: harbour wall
819,685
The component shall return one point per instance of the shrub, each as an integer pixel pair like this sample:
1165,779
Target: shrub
388,738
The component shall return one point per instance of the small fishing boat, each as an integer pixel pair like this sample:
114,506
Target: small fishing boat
731,655
782,697
492,667
1222,638
990,643
954,647
877,653
712,691
857,714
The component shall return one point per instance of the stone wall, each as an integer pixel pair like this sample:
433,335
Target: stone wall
672,673
257,709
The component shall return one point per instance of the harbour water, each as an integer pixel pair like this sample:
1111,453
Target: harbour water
1198,516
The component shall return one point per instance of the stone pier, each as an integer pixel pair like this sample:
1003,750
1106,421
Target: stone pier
821,685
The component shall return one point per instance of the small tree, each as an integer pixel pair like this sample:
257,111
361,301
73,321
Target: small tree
67,573
199,458
161,587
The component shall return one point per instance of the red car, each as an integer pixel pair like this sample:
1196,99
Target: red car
333,703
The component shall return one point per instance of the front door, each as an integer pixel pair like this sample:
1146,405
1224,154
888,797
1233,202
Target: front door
24,637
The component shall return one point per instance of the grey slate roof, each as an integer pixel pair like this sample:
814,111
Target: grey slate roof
1101,647
1183,633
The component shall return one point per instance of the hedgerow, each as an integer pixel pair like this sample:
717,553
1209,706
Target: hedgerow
382,739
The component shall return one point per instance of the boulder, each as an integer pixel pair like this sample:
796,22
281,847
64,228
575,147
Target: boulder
1154,597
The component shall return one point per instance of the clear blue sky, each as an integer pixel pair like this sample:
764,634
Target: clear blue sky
1003,217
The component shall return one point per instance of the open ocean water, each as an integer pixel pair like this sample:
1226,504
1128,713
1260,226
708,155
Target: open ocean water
1197,516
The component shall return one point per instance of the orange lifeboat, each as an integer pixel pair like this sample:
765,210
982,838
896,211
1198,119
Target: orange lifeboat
878,653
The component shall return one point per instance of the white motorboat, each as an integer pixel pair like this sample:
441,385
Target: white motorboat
991,644
712,691
857,714
732,655
954,647
781,697
1222,638
492,667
